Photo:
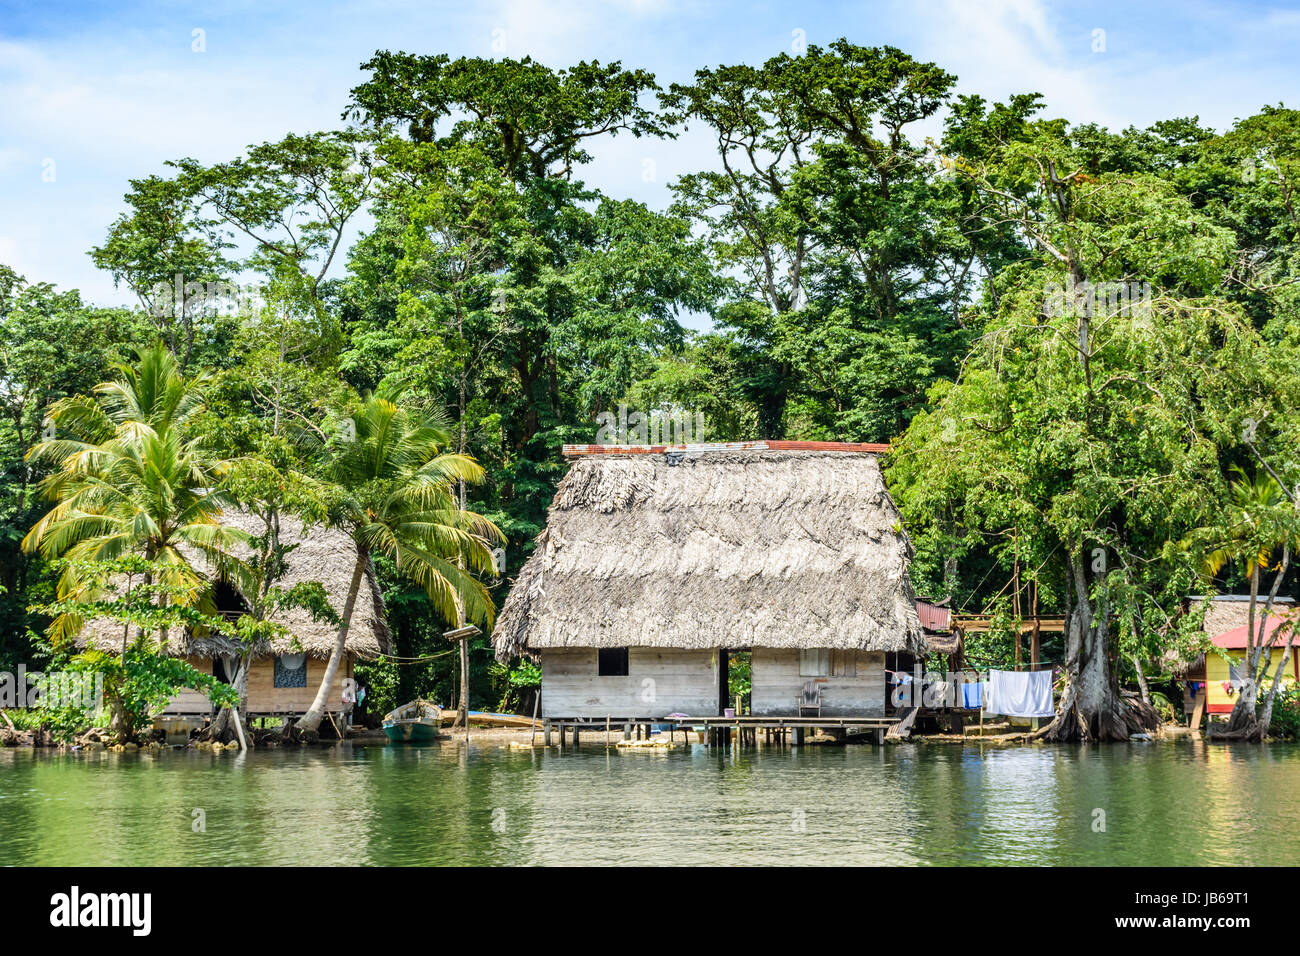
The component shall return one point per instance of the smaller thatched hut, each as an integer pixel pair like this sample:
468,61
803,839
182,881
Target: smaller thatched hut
285,673
656,562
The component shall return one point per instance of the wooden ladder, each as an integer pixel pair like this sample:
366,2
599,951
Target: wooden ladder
903,729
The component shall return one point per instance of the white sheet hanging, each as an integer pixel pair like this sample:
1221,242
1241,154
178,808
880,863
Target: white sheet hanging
1020,693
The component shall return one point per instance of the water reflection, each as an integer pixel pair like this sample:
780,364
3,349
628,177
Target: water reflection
1175,803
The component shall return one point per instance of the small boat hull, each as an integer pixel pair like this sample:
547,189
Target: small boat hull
413,723
411,732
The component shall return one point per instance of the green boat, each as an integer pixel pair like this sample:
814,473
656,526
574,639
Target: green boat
413,723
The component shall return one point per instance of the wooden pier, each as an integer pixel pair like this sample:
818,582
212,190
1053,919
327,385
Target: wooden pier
721,730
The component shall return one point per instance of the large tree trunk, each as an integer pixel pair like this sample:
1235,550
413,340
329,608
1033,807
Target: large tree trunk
310,721
1091,707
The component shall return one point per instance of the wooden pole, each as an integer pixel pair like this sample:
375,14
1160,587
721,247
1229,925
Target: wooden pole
239,728
537,699
462,709
1015,600
1035,641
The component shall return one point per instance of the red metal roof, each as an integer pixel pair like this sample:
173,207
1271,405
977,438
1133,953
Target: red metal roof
1236,638
933,617
848,446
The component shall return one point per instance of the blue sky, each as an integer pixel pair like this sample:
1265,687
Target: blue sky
97,94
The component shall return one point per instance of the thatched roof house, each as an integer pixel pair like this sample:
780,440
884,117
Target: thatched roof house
320,554
785,546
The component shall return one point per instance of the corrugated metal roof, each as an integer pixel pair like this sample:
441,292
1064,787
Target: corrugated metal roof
933,617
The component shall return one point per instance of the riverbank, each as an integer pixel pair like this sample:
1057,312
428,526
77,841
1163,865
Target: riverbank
524,738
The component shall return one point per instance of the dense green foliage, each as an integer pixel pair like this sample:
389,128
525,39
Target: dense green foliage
1072,335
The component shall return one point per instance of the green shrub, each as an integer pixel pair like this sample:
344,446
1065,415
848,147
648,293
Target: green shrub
1286,713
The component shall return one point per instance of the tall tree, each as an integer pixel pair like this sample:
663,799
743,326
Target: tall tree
132,482
1101,404
394,496
825,213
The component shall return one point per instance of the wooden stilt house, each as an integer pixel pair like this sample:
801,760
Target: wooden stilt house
656,563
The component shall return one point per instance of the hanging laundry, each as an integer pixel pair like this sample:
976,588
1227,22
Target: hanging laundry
972,696
938,693
1020,693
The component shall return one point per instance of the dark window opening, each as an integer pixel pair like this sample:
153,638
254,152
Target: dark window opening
230,603
290,670
611,662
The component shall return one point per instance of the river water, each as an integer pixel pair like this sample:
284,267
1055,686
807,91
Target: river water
1176,803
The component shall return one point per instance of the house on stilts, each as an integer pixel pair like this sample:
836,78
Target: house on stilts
285,673
658,563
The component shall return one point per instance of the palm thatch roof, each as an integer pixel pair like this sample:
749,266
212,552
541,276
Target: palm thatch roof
717,548
326,555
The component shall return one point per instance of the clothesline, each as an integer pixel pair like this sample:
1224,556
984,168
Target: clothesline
405,661
1014,693
998,665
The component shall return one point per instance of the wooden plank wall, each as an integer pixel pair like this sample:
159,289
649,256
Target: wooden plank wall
684,681
263,696
777,684
189,701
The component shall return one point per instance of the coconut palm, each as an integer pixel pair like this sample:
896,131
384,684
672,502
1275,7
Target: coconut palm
131,481
394,494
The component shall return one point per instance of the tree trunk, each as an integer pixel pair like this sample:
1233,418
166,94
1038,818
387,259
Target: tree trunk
223,726
1142,680
1242,721
1091,707
310,721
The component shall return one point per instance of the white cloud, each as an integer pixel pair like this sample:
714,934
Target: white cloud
110,101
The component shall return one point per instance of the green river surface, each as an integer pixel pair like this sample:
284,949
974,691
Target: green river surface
1181,802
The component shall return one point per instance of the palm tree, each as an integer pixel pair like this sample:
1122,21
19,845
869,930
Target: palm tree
131,481
394,495
1261,520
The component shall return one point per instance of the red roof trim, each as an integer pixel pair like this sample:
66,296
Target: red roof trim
845,446
1236,638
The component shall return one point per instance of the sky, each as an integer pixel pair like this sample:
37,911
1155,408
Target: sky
93,95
